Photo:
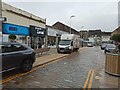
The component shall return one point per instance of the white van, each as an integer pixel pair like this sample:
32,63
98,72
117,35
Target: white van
69,43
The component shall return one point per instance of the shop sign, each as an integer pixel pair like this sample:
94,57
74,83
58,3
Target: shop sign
15,29
37,31
3,19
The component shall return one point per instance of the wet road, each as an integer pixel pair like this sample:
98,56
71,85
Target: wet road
77,70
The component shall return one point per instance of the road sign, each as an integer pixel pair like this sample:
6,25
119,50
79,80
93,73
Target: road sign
3,19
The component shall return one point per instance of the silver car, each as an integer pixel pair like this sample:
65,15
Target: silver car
110,48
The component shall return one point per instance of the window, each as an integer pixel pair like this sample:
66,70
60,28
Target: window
17,47
12,48
5,48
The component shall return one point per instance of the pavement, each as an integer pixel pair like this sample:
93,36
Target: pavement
108,81
49,57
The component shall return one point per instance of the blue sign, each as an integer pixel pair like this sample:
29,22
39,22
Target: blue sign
15,29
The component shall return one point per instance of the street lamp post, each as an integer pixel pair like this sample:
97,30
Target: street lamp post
70,22
81,35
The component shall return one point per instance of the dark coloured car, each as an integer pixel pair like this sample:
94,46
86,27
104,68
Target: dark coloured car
103,46
16,55
110,48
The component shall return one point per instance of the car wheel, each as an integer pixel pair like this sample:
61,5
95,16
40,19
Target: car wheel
27,65
72,50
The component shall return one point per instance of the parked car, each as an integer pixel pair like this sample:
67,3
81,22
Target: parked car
103,46
16,55
90,44
110,48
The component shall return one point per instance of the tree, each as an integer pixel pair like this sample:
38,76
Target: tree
116,37
12,37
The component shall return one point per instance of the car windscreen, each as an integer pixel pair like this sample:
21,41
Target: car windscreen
111,46
65,42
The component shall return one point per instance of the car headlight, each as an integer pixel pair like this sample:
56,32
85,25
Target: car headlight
69,47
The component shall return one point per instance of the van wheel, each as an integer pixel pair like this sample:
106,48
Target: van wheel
58,51
27,65
77,50
71,51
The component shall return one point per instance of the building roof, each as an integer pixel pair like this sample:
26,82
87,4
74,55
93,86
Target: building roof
51,27
106,33
64,27
117,30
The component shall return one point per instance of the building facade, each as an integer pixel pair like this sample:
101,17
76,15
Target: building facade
28,28
65,28
95,36
54,35
105,36
84,34
93,33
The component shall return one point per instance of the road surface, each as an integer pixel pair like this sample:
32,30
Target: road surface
78,70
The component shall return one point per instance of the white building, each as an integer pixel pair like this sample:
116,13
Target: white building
22,24
54,35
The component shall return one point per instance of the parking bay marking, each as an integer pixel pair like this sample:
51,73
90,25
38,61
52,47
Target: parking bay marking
35,68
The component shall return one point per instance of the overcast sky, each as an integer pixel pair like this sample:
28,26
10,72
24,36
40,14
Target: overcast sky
95,14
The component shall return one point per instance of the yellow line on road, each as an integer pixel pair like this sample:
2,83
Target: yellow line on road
19,75
91,80
87,79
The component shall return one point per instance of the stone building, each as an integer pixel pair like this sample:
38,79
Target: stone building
84,34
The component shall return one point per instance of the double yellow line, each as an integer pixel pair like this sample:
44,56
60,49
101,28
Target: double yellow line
19,75
89,80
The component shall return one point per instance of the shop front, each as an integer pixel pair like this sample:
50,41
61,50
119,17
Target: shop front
21,32
37,37
54,36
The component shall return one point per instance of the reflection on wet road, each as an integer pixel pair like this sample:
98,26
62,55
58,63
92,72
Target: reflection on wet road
74,71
